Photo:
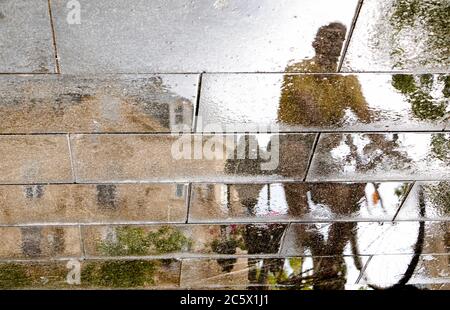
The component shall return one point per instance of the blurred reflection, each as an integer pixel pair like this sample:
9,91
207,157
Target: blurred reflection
406,17
327,46
114,104
314,100
423,92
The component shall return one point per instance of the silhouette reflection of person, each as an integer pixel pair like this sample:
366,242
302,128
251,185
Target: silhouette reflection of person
321,99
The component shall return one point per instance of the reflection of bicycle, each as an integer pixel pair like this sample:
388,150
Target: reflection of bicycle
406,276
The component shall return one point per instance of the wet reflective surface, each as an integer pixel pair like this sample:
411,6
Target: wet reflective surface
92,203
366,238
40,158
31,242
364,102
224,144
183,240
400,35
93,274
427,200
195,36
296,201
302,273
130,158
389,156
125,103
26,43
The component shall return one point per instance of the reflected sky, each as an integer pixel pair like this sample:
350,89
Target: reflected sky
194,36
363,102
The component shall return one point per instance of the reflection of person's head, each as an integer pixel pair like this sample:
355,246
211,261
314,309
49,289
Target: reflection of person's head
328,41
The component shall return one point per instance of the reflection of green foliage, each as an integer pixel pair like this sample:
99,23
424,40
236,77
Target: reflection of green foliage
276,276
119,273
13,276
296,264
135,241
130,241
440,145
440,196
432,16
404,83
225,247
168,239
418,89
401,190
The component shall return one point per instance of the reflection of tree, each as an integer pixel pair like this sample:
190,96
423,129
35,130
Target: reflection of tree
419,90
431,17
428,96
439,195
440,146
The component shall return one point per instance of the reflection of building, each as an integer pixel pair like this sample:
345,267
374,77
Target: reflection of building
36,242
85,203
95,105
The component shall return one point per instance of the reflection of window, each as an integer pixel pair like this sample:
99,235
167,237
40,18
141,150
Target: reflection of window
179,190
178,115
34,191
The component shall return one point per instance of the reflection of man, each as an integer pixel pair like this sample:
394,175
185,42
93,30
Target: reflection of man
321,100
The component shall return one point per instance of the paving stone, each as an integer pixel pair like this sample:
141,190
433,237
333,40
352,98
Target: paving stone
76,274
92,203
296,202
400,35
366,238
182,240
387,156
427,200
312,102
186,158
114,103
26,43
195,36
430,272
126,274
40,242
271,273
35,159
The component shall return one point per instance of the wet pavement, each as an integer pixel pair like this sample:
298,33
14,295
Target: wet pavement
224,144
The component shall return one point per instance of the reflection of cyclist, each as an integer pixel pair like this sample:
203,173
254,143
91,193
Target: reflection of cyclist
322,100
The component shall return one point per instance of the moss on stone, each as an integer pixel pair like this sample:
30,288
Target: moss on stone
13,276
136,241
119,274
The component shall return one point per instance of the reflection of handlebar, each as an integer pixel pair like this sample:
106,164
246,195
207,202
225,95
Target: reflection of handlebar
418,249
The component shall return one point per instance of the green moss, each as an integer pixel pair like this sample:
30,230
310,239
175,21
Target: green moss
130,241
168,239
119,274
13,276
135,241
